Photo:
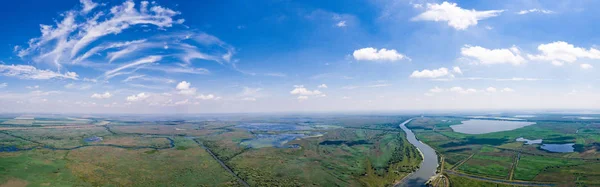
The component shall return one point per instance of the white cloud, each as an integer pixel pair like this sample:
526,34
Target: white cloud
522,12
508,90
87,5
560,52
457,17
379,85
491,89
183,85
372,54
461,90
302,97
142,61
30,72
182,102
208,97
586,66
436,90
138,97
64,41
78,86
493,56
322,86
148,78
456,70
105,95
31,87
3,85
341,24
184,88
300,90
249,99
441,72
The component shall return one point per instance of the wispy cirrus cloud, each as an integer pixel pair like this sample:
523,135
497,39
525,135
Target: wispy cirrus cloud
31,72
81,37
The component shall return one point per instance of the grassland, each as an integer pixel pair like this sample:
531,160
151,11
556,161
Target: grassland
333,151
494,155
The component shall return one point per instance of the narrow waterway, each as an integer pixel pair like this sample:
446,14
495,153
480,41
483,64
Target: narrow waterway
428,166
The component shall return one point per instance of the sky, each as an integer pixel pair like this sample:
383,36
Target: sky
226,56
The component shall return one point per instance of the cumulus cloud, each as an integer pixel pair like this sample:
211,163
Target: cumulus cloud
586,66
322,86
535,10
441,72
461,90
208,97
456,70
30,72
104,95
302,97
301,90
560,52
138,97
372,54
508,90
493,56
436,90
457,17
249,99
491,89
341,24
184,88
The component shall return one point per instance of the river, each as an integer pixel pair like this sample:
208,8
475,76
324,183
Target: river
428,166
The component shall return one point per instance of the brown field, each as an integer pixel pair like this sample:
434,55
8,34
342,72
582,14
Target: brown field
15,183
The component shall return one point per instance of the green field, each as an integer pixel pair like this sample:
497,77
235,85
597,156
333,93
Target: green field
329,151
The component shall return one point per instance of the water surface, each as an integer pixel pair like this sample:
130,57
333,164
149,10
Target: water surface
428,166
272,127
559,148
478,126
271,140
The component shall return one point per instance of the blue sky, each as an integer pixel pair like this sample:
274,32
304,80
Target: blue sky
297,56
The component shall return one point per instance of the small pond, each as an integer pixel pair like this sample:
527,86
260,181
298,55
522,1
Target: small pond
559,148
92,139
478,126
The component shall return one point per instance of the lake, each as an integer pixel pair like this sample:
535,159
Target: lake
479,126
558,148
